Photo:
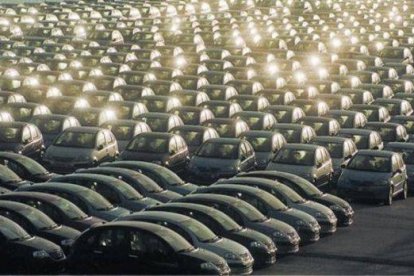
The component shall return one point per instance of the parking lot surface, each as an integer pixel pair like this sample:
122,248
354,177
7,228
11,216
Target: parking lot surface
380,241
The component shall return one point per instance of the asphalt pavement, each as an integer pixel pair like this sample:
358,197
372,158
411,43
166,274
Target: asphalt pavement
381,241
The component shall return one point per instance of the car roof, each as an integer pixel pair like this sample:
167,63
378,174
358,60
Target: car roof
15,206
342,112
228,200
288,126
316,119
56,186
160,215
247,189
122,122
301,146
150,227
400,145
104,178
14,124
52,116
37,195
191,128
382,153
193,206
251,180
382,124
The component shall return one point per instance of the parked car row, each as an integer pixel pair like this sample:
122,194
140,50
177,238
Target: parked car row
110,111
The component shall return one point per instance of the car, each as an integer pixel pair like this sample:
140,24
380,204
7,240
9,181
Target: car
341,150
140,182
160,122
373,113
286,114
308,228
51,125
22,138
133,92
311,162
322,125
390,132
348,118
79,147
9,179
407,122
25,167
115,190
35,222
406,151
395,106
295,133
379,175
222,109
265,145
257,120
101,98
58,209
190,97
342,209
323,215
197,234
242,212
219,92
336,101
195,135
363,138
140,247
311,107
251,102
64,105
126,110
23,112
86,199
262,248
192,115
93,116
221,157
164,177
161,104
165,149
227,128
125,130
23,253
358,96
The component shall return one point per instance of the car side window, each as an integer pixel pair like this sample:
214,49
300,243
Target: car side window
319,157
105,239
26,136
249,149
16,218
156,248
243,151
33,132
233,214
105,191
45,208
78,202
108,137
258,204
14,167
178,230
173,147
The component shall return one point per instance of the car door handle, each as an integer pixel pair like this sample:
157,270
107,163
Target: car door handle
97,252
133,256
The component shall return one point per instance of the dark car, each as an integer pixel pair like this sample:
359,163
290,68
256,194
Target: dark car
64,105
58,209
251,102
9,179
363,138
325,217
257,120
341,150
164,177
23,112
286,113
284,235
295,133
312,107
379,175
260,246
165,149
23,253
125,130
192,115
237,256
407,152
160,122
126,110
358,96
195,135
221,157
93,116
395,106
265,145
80,147
407,122
343,211
390,132
222,109
348,118
140,182
140,248
52,125
311,162
306,225
322,125
190,97
374,113
37,223
25,167
227,128
115,190
86,199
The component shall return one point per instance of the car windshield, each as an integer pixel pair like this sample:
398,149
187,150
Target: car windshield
335,149
155,105
149,185
187,116
260,144
48,126
13,232
123,111
219,110
409,125
22,113
291,135
70,209
192,138
156,124
305,185
10,135
291,194
251,213
76,140
317,126
38,219
392,108
149,144
344,120
95,200
253,122
407,154
271,201
88,118
202,233
293,156
370,163
219,150
247,104
281,115
32,166
361,141
388,134
225,221
177,242
223,129
122,132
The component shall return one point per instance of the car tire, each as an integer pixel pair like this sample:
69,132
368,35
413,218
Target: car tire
388,200
404,193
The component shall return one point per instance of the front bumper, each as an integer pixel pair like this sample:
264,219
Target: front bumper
345,218
327,227
364,192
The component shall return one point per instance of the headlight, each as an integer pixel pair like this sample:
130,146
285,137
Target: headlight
231,257
319,215
257,244
301,223
41,254
336,208
67,242
278,234
166,163
209,266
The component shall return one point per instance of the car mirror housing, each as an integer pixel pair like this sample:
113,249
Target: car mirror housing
343,166
100,147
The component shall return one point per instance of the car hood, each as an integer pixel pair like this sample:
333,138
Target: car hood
15,147
294,214
60,233
295,169
38,243
112,214
205,256
165,196
67,153
223,246
312,208
359,177
328,199
252,235
142,156
209,164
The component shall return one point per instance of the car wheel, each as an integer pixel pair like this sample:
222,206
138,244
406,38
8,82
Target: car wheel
404,193
388,200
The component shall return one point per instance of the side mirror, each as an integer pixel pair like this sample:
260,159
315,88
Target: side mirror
173,152
318,165
398,171
26,141
100,147
343,166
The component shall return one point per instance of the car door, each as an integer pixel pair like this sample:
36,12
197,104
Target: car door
101,150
